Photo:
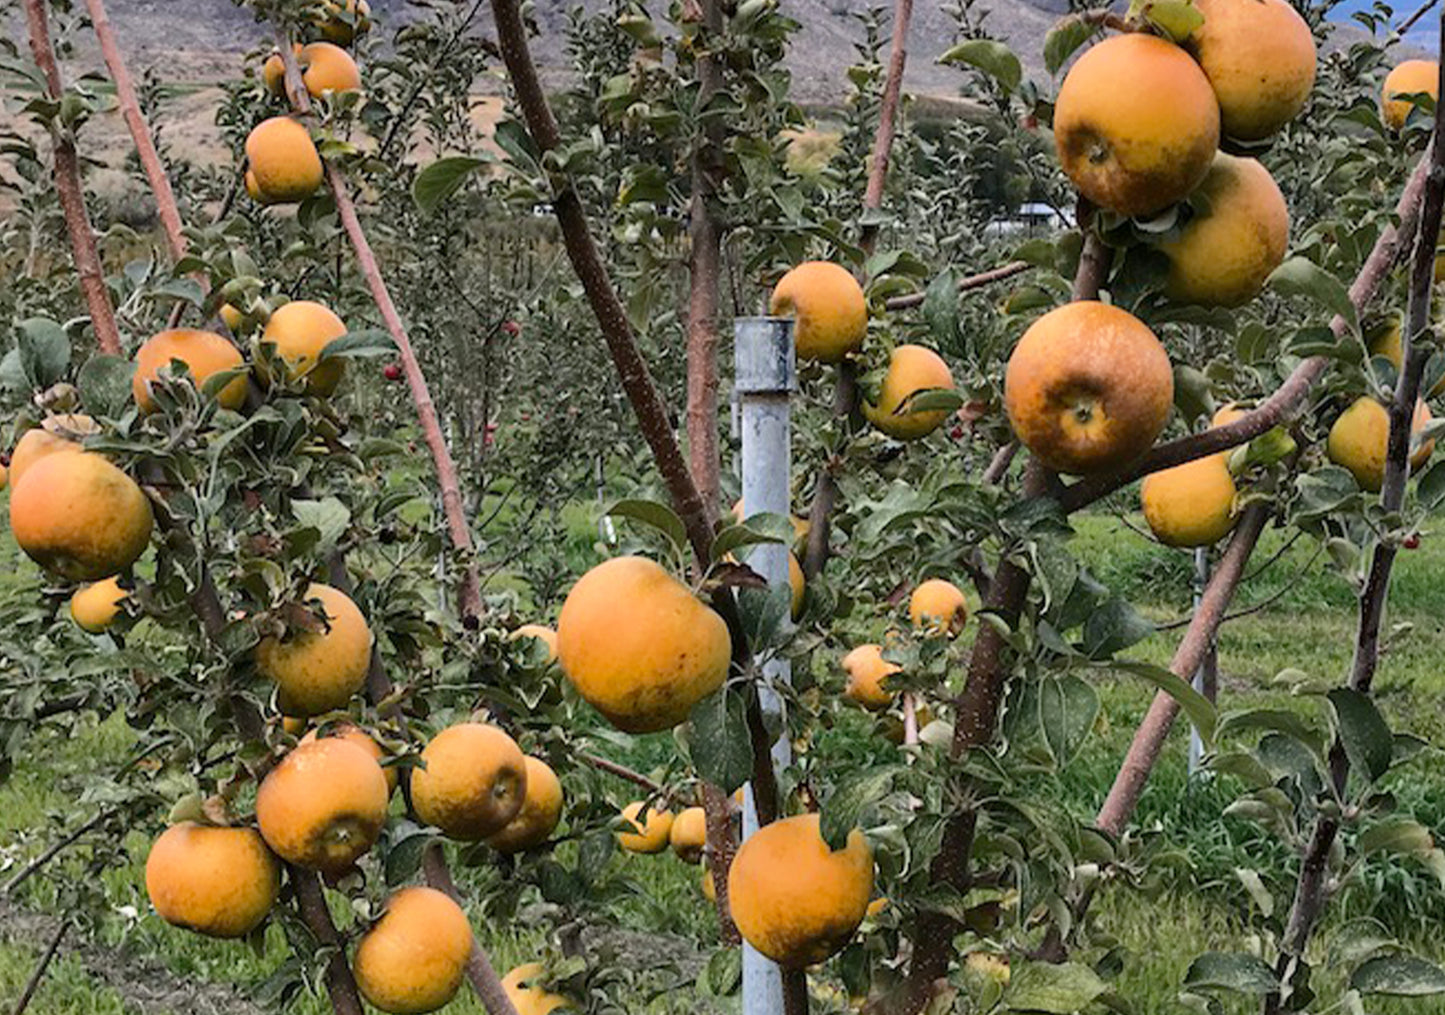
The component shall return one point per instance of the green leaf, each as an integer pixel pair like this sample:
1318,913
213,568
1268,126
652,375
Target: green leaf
1396,835
441,179
1430,488
1063,41
656,515
930,400
1276,719
329,517
759,529
403,859
1176,18
1299,276
993,58
359,344
1363,731
724,972
855,796
1113,627
1325,491
940,306
1399,976
718,741
1068,707
1199,709
1236,971
12,373
1056,990
44,351
105,384
1254,885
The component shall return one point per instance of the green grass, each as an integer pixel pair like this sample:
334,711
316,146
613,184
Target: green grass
1201,904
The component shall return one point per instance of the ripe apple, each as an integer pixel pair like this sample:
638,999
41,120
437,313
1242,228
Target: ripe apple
392,372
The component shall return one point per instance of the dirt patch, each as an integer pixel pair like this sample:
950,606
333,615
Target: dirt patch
144,985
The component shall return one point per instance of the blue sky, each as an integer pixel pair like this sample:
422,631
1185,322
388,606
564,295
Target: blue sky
1426,32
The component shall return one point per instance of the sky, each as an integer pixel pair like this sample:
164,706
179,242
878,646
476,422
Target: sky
1426,32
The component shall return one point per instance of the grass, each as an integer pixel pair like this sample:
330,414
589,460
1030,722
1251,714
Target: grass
1308,626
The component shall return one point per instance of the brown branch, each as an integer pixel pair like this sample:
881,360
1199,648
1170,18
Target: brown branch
33,984
311,900
705,265
887,117
130,111
622,772
967,284
1149,738
483,977
1420,12
722,846
1310,889
652,416
50,853
70,191
1288,397
469,595
998,465
825,493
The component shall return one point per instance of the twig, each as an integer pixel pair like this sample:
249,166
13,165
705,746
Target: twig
825,493
52,851
483,977
1258,607
33,984
967,284
1420,12
469,596
998,465
622,772
70,191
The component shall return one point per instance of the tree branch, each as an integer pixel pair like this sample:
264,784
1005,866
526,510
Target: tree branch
1310,889
966,284
70,191
469,595
887,117
33,984
480,972
311,900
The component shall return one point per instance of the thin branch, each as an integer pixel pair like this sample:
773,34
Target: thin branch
705,264
145,147
998,465
721,848
887,118
33,984
966,284
1310,890
480,972
469,595
1258,607
51,852
69,189
622,772
1420,12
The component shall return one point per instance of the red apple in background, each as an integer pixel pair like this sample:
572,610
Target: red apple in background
512,328
1412,541
392,372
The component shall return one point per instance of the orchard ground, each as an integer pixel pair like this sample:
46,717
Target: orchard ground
139,964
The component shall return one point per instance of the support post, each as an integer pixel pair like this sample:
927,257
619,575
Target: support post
1206,677
766,375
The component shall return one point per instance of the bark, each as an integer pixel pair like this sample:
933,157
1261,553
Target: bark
965,285
825,495
311,899
480,973
705,268
887,118
722,846
71,192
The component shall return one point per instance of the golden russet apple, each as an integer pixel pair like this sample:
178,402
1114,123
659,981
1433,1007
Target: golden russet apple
867,670
649,835
1238,235
301,330
1358,441
62,433
358,736
1412,77
529,997
937,607
221,882
541,810
1259,57
639,646
1088,388
473,781
319,670
80,517
911,369
1136,124
794,899
203,352
283,160
830,314
413,960
688,835
543,634
96,606
324,805
1192,504
325,67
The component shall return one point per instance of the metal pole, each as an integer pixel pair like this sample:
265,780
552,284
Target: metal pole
1206,677
765,376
